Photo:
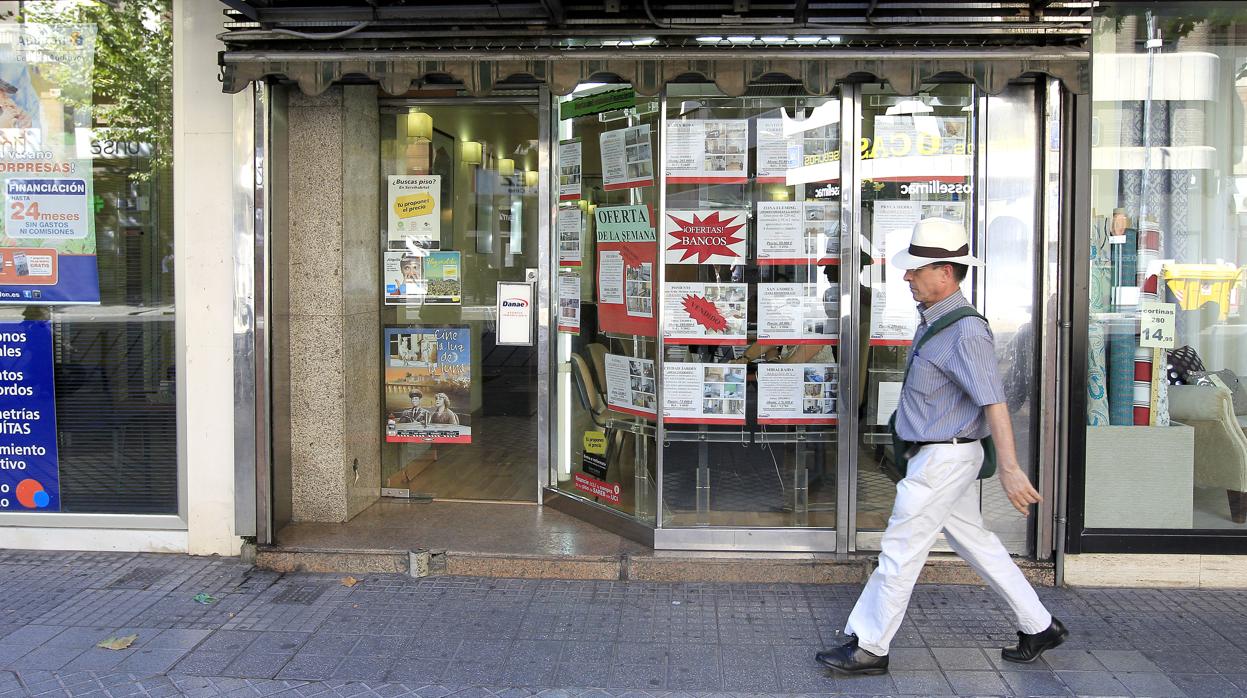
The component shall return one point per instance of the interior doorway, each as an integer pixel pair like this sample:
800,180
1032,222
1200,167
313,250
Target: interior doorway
460,193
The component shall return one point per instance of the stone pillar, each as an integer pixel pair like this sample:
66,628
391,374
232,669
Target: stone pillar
334,268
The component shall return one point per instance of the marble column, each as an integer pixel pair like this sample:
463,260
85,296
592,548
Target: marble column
335,371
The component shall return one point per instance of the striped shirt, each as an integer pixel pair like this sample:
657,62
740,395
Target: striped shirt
951,379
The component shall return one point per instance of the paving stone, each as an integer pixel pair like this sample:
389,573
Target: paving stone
148,661
976,683
961,659
1151,684
32,635
1205,685
1071,660
918,683
46,658
1124,660
1035,683
1093,683
205,663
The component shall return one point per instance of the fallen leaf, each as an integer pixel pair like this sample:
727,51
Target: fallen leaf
118,643
349,581
204,598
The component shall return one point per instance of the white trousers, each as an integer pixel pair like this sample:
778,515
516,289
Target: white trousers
938,493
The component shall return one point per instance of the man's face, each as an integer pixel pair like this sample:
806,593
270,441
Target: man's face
931,283
415,400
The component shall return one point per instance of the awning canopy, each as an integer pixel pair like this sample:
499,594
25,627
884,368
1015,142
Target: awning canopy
734,43
398,72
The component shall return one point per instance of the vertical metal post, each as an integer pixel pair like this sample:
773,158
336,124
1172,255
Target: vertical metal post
547,423
660,281
850,299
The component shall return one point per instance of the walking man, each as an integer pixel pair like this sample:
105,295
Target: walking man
951,399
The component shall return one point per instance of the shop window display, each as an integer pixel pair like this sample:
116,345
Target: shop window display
1166,325
86,256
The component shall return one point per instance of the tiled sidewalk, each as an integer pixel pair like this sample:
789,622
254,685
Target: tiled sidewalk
388,635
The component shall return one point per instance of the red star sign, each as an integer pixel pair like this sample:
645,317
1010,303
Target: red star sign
706,237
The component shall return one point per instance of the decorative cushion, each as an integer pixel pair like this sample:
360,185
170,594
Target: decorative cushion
1181,363
1227,379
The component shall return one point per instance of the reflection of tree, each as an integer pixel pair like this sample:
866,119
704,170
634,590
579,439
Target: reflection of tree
133,72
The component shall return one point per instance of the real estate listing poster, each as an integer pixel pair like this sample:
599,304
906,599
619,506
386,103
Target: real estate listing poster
428,384
704,313
571,235
708,151
626,251
817,158
630,385
627,159
697,393
798,232
569,303
569,170
798,313
797,393
414,211
705,237
403,279
775,152
893,318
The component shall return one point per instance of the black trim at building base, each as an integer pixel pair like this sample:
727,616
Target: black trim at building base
1163,542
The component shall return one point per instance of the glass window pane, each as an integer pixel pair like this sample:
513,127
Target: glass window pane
110,118
1167,329
751,316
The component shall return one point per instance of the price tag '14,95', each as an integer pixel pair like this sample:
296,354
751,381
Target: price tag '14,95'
1159,325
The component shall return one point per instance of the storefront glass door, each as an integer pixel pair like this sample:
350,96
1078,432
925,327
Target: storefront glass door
461,215
731,340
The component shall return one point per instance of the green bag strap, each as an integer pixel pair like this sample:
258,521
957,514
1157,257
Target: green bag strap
944,322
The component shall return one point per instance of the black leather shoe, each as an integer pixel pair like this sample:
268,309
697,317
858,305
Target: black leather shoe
851,659
1029,647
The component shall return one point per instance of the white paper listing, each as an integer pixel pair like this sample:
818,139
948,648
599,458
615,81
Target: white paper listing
630,385
611,277
797,393
703,393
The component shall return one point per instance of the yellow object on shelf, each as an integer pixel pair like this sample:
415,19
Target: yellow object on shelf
1196,284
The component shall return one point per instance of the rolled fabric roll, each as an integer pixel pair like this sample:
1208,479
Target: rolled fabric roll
1101,287
1097,379
1150,243
1142,386
1121,349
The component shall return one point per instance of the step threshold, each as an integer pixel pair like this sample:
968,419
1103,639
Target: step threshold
653,566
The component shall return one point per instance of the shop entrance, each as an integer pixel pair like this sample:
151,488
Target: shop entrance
460,227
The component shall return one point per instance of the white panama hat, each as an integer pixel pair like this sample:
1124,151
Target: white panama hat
936,240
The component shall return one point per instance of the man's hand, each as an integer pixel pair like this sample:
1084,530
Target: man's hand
1017,486
1018,489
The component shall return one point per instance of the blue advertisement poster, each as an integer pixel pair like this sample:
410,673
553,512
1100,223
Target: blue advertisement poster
47,230
29,473
428,384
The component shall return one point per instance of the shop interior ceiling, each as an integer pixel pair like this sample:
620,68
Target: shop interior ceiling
396,42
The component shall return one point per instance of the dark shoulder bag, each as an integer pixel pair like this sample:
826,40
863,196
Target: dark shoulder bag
899,460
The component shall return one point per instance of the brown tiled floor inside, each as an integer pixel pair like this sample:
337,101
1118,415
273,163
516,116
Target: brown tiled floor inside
476,527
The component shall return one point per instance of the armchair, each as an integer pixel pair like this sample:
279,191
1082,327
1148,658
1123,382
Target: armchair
1220,443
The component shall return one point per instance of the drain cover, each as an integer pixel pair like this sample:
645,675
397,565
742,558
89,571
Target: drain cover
139,578
301,595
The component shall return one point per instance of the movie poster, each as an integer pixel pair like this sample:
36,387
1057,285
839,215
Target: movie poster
702,393
797,393
47,239
428,384
706,313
